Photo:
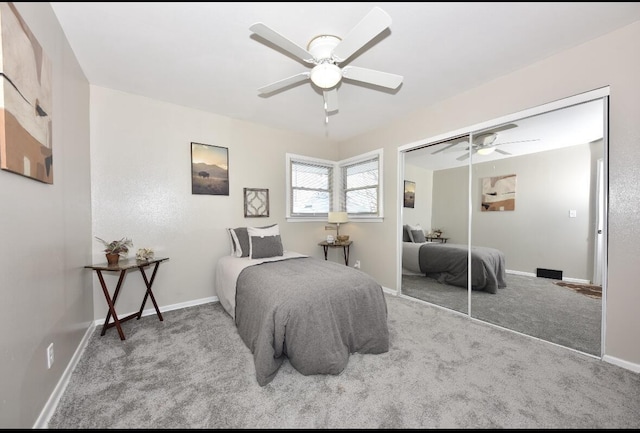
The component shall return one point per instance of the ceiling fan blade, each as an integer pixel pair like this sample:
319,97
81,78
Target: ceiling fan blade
270,88
371,76
276,38
330,100
502,152
368,28
511,142
500,128
463,157
449,144
457,149
444,148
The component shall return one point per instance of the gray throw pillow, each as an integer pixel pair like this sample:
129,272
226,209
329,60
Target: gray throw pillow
418,236
405,233
263,247
243,240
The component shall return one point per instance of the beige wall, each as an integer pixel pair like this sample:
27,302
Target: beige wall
129,176
611,60
141,189
46,240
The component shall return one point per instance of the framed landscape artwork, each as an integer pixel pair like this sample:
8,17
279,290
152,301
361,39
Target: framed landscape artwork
209,169
256,202
409,193
25,100
499,193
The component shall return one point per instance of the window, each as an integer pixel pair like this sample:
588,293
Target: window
360,187
310,189
316,187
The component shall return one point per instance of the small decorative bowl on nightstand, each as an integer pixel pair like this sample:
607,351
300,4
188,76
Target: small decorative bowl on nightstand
343,238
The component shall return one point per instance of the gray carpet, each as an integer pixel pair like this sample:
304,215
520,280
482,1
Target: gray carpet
442,371
533,306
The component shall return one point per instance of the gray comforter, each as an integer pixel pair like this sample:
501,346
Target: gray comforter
314,312
448,264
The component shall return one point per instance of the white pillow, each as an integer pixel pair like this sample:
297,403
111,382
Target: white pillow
236,248
266,231
232,246
412,228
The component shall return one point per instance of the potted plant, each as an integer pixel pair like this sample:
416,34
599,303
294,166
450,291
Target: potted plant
115,249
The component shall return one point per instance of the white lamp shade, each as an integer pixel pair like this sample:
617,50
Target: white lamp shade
326,75
338,217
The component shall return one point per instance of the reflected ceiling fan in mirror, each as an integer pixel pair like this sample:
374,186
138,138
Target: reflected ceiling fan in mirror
326,52
484,143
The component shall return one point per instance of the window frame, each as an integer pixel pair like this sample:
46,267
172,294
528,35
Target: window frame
339,187
292,158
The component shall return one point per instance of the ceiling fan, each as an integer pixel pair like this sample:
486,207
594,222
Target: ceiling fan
484,143
326,52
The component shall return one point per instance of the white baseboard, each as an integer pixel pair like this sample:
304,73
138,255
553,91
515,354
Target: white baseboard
389,291
150,311
567,279
58,391
622,363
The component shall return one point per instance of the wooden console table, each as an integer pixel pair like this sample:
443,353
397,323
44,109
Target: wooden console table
123,266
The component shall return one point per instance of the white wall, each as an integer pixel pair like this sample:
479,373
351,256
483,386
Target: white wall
611,60
141,189
46,231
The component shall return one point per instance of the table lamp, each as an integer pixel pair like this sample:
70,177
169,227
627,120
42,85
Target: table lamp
338,218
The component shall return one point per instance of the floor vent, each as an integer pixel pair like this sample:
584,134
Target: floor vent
549,273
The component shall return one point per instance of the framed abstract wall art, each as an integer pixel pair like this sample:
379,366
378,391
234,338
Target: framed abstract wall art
256,202
209,169
26,145
499,193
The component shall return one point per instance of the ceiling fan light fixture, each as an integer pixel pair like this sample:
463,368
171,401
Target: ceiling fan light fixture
486,150
326,75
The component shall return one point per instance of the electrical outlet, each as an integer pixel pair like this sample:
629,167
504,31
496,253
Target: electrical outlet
357,265
50,357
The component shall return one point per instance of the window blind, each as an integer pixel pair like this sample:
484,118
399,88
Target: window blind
311,188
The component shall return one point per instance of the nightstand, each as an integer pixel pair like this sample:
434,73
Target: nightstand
345,249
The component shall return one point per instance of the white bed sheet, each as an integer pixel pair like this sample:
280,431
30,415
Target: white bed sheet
228,269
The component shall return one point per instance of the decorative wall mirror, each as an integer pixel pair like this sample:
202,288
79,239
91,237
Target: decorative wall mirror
531,193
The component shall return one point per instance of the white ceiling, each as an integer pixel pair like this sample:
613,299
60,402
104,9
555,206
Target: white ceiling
203,55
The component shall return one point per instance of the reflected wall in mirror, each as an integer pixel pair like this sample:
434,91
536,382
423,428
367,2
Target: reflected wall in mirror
434,267
549,239
537,269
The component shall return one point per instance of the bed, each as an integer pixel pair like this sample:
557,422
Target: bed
448,264
313,312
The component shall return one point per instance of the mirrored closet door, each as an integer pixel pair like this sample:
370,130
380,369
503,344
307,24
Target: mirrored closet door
439,176
537,197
